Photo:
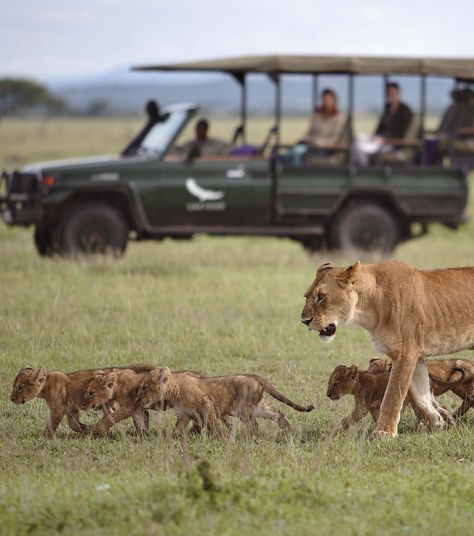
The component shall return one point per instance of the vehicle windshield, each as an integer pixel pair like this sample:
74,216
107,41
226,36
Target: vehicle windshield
161,134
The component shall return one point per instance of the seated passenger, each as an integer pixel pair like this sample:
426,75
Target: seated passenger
152,110
397,116
203,145
396,128
327,125
455,134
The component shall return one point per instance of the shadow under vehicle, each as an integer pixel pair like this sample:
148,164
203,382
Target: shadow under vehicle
96,205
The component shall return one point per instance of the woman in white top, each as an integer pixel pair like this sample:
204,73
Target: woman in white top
327,123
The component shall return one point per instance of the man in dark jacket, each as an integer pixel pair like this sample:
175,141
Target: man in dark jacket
397,115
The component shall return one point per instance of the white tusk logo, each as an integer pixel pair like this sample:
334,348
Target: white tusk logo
201,193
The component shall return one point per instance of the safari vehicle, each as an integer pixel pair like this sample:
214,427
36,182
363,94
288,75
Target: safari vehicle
96,205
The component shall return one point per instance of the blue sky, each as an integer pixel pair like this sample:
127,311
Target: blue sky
65,38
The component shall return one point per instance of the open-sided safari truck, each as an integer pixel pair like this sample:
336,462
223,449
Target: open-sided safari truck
151,191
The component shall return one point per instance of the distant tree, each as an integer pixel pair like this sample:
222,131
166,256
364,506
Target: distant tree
18,94
99,106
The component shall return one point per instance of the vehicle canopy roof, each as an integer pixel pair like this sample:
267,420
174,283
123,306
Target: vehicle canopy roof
461,69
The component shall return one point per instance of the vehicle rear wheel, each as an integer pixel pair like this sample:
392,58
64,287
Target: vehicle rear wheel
43,238
93,228
367,228
312,244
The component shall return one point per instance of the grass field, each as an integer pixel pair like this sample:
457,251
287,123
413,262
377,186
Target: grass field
219,306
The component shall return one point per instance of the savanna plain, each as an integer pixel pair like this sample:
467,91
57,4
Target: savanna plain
216,305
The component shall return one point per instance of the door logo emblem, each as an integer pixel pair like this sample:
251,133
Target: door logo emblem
208,199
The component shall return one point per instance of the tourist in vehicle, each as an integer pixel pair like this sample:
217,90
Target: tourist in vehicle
326,136
327,124
203,144
397,115
393,126
152,110
455,133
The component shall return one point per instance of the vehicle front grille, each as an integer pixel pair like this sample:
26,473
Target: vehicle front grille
23,183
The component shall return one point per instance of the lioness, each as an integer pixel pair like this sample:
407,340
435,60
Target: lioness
62,392
123,387
206,400
456,375
410,314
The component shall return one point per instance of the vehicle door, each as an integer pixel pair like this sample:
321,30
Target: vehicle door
212,192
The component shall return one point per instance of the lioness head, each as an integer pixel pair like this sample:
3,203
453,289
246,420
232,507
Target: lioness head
341,381
27,384
331,299
153,386
100,390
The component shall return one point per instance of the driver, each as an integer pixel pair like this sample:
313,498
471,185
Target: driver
152,110
203,145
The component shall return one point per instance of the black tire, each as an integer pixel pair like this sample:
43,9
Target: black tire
312,244
365,228
43,239
93,229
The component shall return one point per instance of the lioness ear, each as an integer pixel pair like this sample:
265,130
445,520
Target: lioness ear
351,275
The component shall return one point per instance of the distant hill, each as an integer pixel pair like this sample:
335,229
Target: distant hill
126,91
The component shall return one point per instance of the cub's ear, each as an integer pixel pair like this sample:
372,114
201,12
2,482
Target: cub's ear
353,371
324,268
40,375
351,275
165,374
111,379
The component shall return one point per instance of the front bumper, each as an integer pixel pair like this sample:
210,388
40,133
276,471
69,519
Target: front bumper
19,198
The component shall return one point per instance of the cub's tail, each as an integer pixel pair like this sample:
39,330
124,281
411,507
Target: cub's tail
453,383
272,391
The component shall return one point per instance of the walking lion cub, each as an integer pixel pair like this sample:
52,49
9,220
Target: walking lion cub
207,400
63,393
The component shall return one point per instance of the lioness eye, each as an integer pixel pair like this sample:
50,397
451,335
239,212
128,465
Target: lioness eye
320,297
19,388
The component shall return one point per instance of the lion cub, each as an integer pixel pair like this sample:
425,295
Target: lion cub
206,400
62,392
367,388
443,378
121,386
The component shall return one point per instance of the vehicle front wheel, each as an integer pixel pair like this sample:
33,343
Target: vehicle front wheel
91,229
365,228
43,239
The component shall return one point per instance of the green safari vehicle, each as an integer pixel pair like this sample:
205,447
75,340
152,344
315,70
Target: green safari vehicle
96,205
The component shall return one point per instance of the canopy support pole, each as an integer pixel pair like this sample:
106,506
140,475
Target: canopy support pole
242,81
350,113
386,80
315,91
275,78
422,114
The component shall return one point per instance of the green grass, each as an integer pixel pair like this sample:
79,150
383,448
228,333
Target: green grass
220,306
